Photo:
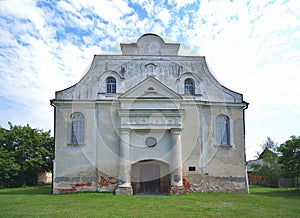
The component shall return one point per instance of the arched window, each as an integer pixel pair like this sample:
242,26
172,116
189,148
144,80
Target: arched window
222,130
189,87
77,128
111,86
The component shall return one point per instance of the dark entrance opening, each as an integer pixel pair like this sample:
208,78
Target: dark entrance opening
150,179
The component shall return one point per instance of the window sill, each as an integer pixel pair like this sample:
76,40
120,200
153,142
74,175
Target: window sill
189,94
76,145
111,96
224,146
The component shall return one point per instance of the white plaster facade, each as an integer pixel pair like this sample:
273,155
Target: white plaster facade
149,121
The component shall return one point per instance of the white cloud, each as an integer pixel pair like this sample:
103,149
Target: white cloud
165,16
180,3
23,10
112,11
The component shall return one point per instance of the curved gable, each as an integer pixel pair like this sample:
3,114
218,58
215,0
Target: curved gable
150,44
214,91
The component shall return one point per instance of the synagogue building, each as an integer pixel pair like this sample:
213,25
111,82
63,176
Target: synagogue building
149,121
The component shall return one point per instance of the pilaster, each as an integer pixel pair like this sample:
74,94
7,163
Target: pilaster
124,186
176,158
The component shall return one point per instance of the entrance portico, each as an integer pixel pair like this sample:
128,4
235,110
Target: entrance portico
138,144
150,129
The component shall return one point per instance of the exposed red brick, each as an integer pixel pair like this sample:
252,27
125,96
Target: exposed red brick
81,185
177,190
74,187
107,181
62,191
186,184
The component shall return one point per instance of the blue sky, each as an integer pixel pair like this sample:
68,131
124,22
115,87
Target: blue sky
252,47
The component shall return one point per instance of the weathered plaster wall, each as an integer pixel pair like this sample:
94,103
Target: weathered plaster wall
74,164
130,70
140,151
108,139
217,168
94,165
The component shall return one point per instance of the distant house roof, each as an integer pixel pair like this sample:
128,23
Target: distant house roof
251,163
259,160
266,153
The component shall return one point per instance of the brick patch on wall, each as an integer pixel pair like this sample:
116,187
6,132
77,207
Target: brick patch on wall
178,190
74,187
186,184
107,181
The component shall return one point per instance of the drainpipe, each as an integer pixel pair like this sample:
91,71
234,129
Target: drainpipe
246,164
247,181
53,105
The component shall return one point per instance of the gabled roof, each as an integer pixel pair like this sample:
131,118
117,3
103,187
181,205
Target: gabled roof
260,160
266,153
150,88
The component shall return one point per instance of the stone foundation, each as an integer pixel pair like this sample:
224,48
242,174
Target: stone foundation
206,183
191,183
178,190
124,191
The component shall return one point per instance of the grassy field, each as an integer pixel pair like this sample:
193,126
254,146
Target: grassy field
37,202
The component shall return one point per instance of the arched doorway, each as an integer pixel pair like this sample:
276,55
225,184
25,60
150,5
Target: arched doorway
150,177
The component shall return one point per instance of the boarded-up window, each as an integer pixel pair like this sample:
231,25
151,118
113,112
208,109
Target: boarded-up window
77,128
222,130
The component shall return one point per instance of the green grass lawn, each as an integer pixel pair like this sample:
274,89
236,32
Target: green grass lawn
37,202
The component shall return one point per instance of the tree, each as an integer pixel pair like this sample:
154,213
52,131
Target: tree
31,149
270,145
290,157
268,165
8,168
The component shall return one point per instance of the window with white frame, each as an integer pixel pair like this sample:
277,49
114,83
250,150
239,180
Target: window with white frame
189,87
222,129
77,128
111,85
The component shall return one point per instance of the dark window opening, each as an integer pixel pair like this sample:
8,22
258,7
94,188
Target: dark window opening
189,87
77,128
192,168
111,85
222,130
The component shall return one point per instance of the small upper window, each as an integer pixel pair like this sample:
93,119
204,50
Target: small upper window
222,130
111,86
189,87
77,128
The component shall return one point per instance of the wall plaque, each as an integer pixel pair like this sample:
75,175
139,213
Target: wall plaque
150,142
